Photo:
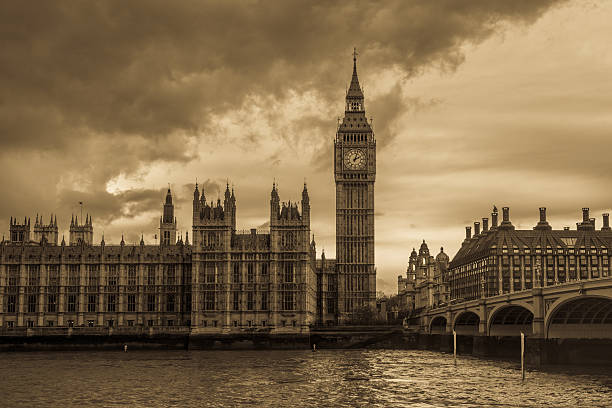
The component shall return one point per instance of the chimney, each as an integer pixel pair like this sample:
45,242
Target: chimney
494,219
585,215
476,228
606,222
506,224
566,229
485,224
542,214
468,232
587,223
542,224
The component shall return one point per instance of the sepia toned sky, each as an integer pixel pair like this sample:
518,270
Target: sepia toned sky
474,103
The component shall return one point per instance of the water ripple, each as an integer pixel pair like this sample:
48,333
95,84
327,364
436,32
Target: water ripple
349,378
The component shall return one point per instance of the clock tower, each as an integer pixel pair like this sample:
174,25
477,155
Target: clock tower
354,173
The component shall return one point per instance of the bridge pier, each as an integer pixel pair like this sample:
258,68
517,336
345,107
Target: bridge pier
539,328
446,343
449,322
480,346
484,318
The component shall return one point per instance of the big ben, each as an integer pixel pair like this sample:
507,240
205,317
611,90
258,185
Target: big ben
355,173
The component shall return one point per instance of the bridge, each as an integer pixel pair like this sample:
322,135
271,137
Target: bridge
568,323
578,309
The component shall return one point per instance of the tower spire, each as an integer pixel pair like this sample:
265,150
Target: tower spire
354,95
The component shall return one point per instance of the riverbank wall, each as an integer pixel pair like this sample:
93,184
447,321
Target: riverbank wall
84,338
538,352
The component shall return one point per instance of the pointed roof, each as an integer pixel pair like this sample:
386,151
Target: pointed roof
274,192
354,91
196,192
169,196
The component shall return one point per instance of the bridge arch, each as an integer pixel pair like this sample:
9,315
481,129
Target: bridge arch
438,325
466,323
510,320
581,317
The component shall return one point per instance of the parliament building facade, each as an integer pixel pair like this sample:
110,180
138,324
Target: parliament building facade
222,281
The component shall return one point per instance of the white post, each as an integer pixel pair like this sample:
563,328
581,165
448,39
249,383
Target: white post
523,356
455,346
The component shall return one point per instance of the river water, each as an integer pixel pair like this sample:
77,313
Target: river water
296,378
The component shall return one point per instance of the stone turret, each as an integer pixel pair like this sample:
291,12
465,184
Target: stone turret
167,222
288,226
81,233
213,223
46,232
20,232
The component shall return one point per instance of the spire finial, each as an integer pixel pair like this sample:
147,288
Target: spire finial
355,55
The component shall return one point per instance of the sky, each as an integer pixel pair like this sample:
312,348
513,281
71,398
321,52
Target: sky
474,104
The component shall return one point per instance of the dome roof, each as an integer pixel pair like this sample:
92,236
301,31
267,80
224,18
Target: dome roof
413,254
442,257
423,249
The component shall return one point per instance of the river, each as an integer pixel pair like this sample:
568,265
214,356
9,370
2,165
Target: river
296,378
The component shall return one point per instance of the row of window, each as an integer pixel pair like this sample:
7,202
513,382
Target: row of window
90,323
91,302
92,275
210,273
558,250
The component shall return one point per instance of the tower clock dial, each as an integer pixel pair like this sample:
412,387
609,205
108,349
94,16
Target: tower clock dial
354,159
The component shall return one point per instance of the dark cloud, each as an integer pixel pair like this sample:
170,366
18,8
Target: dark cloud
93,91
108,207
147,69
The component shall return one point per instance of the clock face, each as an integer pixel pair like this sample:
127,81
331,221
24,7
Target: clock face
355,159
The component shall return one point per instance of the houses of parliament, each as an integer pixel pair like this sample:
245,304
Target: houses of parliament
222,281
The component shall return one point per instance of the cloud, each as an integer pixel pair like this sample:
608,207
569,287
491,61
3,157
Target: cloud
144,69
108,207
93,92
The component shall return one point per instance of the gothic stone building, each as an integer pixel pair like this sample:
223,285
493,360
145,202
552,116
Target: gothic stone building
226,281
426,281
348,283
43,283
254,280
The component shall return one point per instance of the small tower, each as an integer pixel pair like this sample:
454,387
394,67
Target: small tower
229,206
274,202
306,205
167,222
48,232
81,233
289,229
213,223
20,232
